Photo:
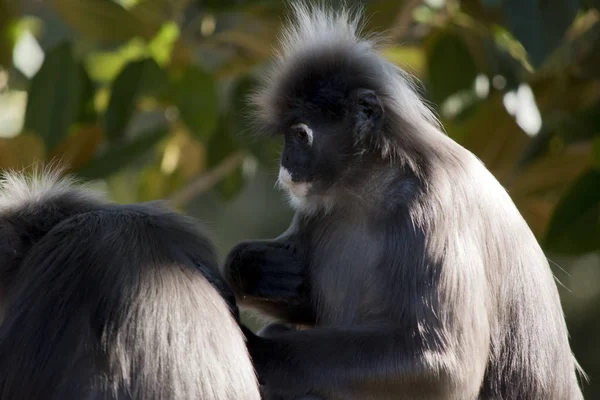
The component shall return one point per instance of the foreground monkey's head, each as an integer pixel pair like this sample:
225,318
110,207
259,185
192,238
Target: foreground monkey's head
339,106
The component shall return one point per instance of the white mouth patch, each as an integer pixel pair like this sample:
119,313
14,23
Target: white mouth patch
297,190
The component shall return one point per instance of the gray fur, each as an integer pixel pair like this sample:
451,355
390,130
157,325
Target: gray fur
106,301
422,278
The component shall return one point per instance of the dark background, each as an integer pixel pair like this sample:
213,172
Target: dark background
144,99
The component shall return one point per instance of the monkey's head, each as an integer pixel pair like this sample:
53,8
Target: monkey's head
329,111
340,107
328,119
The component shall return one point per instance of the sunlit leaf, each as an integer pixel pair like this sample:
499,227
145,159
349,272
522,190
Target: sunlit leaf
138,78
575,225
12,112
195,95
163,43
103,21
121,155
106,65
410,58
506,50
54,96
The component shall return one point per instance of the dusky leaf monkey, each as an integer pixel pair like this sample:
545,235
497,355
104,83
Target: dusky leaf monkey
107,301
417,273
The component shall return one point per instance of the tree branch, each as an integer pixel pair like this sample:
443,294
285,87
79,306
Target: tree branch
205,181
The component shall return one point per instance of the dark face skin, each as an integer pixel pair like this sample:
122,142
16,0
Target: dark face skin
322,139
309,153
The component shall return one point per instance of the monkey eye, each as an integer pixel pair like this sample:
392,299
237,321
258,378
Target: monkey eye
302,132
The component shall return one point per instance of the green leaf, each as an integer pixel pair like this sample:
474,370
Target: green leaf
450,66
221,145
491,3
592,3
539,26
87,109
138,78
506,57
581,125
6,44
120,155
195,94
54,96
103,21
596,151
575,225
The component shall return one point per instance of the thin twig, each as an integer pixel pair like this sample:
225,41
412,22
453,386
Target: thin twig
207,180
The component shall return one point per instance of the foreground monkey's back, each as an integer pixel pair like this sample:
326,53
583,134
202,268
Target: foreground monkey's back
111,301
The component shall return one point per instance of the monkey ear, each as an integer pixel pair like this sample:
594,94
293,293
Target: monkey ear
367,112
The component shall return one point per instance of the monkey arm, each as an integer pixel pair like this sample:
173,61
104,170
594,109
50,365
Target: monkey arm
269,276
354,362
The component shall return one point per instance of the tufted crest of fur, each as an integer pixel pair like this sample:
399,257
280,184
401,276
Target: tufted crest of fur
19,189
320,37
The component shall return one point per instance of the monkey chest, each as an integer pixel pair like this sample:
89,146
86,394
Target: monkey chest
344,282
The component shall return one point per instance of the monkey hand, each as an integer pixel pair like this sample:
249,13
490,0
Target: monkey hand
275,329
266,270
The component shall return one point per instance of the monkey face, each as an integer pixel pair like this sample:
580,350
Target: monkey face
330,114
312,155
297,161
325,140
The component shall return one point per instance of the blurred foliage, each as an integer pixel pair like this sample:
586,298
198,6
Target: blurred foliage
148,96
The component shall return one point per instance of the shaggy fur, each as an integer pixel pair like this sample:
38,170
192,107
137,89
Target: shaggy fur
105,301
421,278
